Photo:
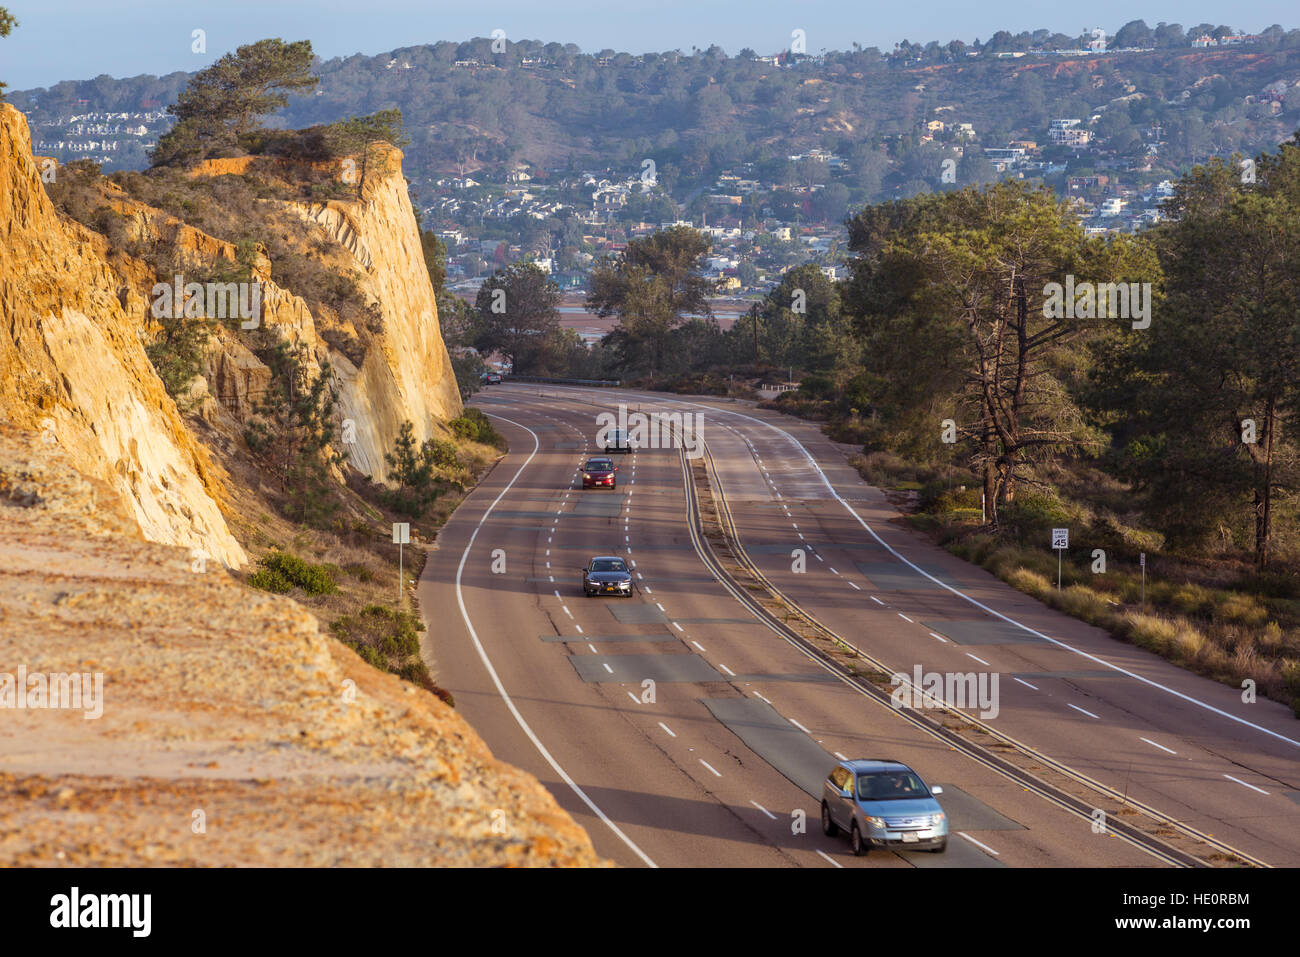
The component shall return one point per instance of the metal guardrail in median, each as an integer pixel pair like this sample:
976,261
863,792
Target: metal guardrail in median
554,380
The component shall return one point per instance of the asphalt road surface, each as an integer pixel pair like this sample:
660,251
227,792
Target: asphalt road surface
679,731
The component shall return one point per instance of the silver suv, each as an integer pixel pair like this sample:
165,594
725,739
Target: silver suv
883,804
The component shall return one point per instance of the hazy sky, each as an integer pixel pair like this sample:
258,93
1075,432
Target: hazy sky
79,39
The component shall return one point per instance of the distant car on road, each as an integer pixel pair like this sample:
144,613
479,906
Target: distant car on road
606,575
883,804
492,378
616,440
599,473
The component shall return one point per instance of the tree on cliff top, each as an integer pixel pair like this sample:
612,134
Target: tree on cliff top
7,23
358,135
227,100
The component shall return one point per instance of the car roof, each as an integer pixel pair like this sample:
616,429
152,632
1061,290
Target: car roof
860,765
606,558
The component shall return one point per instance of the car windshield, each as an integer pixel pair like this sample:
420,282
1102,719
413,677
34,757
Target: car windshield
890,786
600,465
609,565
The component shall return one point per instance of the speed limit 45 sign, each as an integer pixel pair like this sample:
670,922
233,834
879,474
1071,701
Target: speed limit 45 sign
1060,538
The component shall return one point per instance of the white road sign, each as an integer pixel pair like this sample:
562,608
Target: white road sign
401,533
1060,538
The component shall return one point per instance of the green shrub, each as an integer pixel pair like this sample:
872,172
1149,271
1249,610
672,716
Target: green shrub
268,580
392,635
474,425
281,571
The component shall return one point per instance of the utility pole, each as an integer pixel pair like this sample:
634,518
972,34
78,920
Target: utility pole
753,314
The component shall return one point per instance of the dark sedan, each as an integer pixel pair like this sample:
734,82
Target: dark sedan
607,575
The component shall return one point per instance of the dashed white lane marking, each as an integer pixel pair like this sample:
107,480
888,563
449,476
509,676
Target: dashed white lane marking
678,627
579,627
763,809
1160,746
1244,784
496,679
668,729
831,859
608,668
566,610
1025,683
876,600
799,726
635,699
557,593
978,844
649,590
551,577
710,767
726,669
940,637
697,644
760,696
659,606
840,756
980,660
818,557
833,571
854,587
1088,713
905,618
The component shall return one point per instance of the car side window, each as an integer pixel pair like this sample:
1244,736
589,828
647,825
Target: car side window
840,778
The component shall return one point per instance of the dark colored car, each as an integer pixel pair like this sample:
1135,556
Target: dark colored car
883,804
599,473
617,441
607,575
492,378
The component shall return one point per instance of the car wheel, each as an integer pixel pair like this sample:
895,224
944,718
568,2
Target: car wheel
941,848
856,844
829,827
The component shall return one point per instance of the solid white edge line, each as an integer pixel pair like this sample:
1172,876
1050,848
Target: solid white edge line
492,672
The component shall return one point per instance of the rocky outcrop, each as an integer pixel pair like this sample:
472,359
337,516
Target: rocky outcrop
406,374
227,730
73,365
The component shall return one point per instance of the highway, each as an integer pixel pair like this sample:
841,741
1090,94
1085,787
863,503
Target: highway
689,726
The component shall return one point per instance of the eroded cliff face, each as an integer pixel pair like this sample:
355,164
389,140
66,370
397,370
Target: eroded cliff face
73,366
407,373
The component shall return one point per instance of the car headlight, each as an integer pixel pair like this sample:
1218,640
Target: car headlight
937,818
878,822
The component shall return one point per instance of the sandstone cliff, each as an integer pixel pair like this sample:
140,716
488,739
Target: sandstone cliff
73,365
231,732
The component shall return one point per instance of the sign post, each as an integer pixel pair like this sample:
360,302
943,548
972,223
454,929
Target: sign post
1060,542
401,536
1142,560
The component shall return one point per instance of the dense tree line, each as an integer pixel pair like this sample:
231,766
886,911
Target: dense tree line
983,331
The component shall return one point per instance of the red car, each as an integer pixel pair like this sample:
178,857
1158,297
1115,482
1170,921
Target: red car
599,473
